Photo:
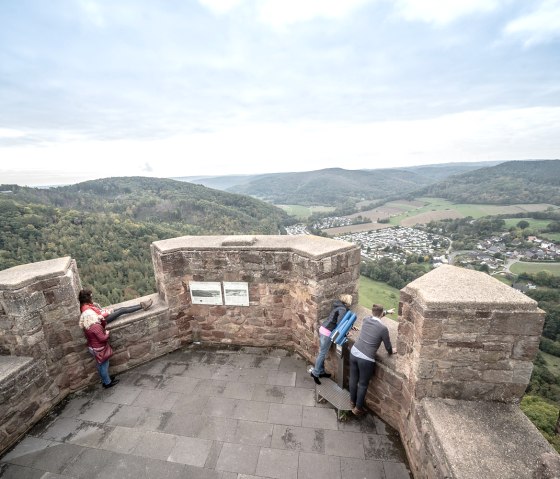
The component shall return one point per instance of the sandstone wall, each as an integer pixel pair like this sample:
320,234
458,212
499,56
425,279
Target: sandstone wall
292,282
465,346
465,341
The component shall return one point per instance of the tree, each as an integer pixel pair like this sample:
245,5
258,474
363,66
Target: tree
523,224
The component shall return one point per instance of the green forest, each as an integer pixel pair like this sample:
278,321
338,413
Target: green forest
332,187
507,183
108,226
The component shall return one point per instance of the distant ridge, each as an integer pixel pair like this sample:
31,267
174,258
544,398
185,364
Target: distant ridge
534,181
335,186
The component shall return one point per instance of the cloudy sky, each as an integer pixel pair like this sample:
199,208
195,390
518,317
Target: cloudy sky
97,88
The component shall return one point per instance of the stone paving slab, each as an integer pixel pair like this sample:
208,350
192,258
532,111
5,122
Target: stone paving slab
248,413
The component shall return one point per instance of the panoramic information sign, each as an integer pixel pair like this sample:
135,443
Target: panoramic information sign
236,294
208,292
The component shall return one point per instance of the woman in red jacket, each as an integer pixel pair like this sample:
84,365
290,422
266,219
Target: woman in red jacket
85,297
97,337
93,321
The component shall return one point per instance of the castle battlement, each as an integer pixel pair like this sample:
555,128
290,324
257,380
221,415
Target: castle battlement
465,342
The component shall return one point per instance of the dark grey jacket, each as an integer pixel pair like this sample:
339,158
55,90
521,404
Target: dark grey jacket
372,334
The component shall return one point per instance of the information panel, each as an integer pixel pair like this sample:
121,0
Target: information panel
206,292
236,294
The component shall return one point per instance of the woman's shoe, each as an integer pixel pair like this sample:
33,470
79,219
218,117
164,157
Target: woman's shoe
146,304
315,378
325,375
358,412
114,382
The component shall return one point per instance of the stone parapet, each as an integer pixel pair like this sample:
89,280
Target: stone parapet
292,281
465,335
26,395
465,343
474,439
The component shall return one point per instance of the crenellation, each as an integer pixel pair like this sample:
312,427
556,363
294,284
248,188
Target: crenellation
455,340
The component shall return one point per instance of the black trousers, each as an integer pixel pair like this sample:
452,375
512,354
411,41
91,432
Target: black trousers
120,311
361,371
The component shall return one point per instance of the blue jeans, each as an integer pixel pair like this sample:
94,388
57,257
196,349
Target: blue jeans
103,370
324,346
361,371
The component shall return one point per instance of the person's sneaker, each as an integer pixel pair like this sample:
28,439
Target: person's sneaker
112,379
325,375
353,404
315,378
358,412
146,304
114,382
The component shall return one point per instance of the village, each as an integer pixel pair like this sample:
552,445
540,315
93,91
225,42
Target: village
497,253
396,243
494,254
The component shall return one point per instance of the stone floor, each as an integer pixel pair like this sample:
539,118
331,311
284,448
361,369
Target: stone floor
214,414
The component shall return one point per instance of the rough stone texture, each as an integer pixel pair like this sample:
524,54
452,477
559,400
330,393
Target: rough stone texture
486,439
26,394
39,313
461,336
292,283
464,335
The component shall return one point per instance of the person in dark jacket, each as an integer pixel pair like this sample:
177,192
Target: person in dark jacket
362,356
339,309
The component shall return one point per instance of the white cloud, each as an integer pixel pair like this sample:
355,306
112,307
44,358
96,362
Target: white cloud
221,6
273,147
540,26
280,13
443,12
11,133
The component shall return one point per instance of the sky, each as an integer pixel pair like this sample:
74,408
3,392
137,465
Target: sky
99,88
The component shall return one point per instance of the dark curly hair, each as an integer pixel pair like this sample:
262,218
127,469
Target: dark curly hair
85,296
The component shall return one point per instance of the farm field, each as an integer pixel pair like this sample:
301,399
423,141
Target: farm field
438,208
520,267
356,228
551,236
377,292
533,223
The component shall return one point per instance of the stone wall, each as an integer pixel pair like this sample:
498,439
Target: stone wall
26,395
465,342
465,335
292,282
465,346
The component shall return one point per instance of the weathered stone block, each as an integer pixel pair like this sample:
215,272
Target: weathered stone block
526,349
522,323
139,350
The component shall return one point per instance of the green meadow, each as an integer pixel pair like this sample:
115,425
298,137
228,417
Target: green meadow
533,224
465,209
377,292
518,268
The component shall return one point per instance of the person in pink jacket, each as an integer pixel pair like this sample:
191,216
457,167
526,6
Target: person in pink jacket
93,321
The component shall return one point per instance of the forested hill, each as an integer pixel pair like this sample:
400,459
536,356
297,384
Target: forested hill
161,201
507,183
332,187
108,226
